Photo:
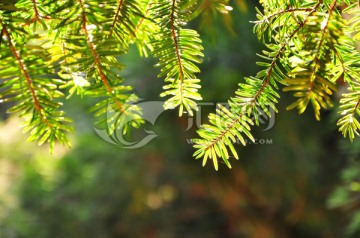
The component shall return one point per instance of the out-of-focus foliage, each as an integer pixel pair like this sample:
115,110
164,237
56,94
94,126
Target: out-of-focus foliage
346,197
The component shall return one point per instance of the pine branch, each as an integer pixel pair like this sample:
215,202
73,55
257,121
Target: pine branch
348,67
116,18
178,50
253,96
26,76
127,14
350,111
176,45
276,20
353,10
309,47
300,70
92,54
97,58
34,95
269,18
37,15
324,29
311,75
146,31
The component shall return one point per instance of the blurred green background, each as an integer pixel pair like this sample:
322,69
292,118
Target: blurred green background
304,183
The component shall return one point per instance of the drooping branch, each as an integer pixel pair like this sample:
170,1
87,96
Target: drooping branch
288,10
218,136
26,75
324,28
174,35
37,15
116,17
263,85
97,58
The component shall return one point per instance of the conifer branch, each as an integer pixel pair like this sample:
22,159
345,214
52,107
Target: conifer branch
178,51
97,58
37,15
317,58
267,19
356,107
308,48
176,45
116,17
203,148
148,7
324,26
226,124
26,75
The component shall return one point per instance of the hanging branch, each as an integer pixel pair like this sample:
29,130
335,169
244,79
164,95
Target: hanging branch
178,50
21,82
97,59
228,126
26,75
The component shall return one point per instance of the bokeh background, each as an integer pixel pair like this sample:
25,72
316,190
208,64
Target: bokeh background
303,183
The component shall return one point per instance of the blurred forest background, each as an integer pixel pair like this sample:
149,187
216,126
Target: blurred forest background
304,184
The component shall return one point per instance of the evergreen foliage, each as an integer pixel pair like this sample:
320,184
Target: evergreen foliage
54,49
50,50
310,47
